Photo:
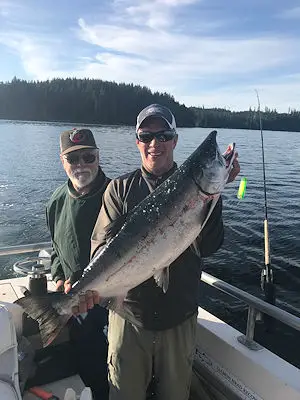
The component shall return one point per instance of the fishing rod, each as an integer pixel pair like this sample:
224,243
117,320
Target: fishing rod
267,284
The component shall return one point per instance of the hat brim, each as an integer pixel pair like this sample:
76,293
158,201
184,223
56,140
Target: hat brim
153,116
78,147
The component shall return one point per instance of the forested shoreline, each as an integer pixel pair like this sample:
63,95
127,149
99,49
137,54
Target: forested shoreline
93,101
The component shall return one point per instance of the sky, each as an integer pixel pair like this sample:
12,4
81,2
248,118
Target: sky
211,53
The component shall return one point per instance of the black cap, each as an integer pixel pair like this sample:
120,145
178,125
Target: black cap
156,110
76,139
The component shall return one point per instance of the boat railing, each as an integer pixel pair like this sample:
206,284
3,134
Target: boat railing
25,248
256,306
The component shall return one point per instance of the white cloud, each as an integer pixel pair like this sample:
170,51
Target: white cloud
37,55
169,63
195,69
150,16
177,3
180,56
156,14
164,62
7,8
291,13
281,93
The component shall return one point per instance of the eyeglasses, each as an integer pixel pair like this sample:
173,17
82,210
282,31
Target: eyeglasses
161,136
87,158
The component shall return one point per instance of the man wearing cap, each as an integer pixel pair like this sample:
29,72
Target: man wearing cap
158,334
71,215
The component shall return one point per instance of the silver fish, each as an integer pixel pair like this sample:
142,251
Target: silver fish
156,232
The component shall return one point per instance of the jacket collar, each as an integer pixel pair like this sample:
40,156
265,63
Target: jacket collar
158,179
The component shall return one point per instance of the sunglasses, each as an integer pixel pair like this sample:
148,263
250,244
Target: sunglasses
87,158
161,136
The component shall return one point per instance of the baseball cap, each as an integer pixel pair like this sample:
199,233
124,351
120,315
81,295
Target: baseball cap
156,110
76,139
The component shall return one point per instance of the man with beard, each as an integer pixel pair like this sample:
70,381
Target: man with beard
71,215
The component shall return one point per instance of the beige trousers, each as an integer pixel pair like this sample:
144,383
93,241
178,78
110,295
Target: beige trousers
134,353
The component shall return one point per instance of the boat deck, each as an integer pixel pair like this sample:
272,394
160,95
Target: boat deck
10,291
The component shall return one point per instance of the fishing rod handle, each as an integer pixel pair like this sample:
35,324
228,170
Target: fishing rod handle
267,245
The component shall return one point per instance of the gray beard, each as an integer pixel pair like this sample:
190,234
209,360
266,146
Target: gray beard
87,180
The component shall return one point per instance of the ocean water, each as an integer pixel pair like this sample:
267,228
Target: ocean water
30,170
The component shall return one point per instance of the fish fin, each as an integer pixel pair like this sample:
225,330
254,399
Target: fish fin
120,307
112,302
196,248
43,310
210,210
119,300
162,278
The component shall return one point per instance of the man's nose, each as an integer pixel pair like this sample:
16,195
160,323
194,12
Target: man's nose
154,141
80,161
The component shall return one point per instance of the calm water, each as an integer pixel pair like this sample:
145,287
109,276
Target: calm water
30,170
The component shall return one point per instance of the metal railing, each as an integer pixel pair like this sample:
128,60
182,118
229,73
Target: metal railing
25,248
255,305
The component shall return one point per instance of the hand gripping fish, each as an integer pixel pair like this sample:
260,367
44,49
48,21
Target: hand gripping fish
156,232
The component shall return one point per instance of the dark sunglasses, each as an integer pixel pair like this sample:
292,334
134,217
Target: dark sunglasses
161,136
87,158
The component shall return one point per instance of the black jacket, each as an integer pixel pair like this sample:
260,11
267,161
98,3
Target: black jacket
147,303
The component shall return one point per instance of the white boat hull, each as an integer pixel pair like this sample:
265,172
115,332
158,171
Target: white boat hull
224,369
234,371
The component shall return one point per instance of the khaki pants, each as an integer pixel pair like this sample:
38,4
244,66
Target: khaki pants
134,353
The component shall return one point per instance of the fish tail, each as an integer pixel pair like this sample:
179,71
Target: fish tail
45,310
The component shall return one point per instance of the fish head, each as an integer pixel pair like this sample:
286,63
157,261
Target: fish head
211,167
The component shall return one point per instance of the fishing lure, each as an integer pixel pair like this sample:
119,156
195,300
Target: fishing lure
242,188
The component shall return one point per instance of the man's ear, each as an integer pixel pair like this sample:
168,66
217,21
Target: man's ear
62,160
175,141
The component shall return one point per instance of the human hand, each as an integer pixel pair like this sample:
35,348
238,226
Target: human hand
63,286
87,300
235,170
59,286
67,285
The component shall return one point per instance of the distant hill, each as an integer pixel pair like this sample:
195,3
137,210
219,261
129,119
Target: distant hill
271,119
101,102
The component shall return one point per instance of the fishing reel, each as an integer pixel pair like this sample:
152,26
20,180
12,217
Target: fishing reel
36,268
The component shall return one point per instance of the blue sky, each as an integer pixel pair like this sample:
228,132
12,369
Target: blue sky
203,52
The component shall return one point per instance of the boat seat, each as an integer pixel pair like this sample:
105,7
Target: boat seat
7,391
16,312
9,377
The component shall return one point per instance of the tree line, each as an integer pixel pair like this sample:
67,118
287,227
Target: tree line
95,101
